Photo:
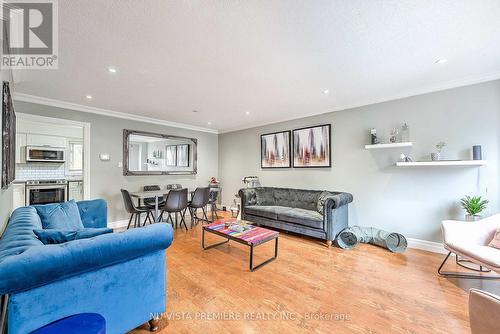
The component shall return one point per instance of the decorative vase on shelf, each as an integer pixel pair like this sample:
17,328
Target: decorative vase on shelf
435,156
394,135
405,133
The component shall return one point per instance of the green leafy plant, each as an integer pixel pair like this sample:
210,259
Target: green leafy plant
474,205
440,145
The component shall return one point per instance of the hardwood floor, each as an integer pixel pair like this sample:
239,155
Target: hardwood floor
310,289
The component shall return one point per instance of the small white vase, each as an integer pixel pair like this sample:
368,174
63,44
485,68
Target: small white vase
472,218
435,156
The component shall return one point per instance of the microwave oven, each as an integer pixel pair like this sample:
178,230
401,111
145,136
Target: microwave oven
44,154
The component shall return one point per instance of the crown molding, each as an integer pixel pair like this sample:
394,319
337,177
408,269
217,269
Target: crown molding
105,112
431,89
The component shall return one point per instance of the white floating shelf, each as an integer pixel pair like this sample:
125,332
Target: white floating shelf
391,145
442,163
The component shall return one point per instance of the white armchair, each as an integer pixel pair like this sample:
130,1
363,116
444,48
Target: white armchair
470,241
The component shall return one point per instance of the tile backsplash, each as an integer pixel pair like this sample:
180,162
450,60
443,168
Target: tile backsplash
42,171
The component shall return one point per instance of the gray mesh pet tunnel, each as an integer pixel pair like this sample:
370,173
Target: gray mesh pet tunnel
352,236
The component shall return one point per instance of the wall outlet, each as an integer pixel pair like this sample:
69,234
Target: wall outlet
120,164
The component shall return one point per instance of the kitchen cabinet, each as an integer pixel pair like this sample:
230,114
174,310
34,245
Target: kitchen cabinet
18,195
21,148
45,140
75,190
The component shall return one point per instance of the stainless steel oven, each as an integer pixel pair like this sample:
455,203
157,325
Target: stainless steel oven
44,154
46,191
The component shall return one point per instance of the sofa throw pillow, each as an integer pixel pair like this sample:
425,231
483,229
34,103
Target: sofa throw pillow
495,243
62,216
54,236
321,200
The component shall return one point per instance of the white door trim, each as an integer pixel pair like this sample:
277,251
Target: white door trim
86,142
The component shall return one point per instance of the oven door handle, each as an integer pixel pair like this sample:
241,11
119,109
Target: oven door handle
59,186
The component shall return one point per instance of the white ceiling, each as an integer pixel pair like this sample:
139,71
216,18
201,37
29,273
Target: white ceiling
271,58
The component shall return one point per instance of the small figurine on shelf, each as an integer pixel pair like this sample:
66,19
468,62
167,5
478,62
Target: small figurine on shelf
213,180
404,158
374,138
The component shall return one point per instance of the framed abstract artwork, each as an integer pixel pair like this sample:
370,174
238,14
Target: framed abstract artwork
171,158
275,150
312,147
8,138
183,155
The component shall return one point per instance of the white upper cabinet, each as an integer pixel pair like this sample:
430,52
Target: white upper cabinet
45,140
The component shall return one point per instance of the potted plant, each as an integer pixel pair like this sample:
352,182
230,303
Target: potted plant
473,206
439,147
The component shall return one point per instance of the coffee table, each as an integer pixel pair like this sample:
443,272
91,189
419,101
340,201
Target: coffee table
253,237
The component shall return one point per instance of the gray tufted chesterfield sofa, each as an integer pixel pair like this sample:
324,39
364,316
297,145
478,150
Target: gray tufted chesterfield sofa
316,213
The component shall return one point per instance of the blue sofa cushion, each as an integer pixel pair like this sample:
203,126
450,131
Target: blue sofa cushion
62,216
53,236
303,217
94,213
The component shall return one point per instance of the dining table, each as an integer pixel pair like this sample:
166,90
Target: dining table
156,194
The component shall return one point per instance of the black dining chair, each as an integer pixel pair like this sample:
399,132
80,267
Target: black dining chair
177,202
135,210
199,200
212,201
150,201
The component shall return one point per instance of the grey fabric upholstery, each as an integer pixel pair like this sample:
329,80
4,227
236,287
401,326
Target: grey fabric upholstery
302,217
266,211
320,214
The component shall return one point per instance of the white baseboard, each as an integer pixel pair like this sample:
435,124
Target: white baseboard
124,223
430,246
118,224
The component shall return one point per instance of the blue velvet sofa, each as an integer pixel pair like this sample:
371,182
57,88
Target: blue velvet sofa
121,276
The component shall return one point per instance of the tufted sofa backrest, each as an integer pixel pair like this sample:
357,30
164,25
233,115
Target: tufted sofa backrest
19,236
296,198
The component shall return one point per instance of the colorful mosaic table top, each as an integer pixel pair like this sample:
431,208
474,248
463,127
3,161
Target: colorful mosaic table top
255,235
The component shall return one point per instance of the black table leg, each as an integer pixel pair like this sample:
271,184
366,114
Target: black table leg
210,246
252,268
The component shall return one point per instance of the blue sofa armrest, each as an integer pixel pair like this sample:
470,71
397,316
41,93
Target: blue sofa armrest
94,213
40,265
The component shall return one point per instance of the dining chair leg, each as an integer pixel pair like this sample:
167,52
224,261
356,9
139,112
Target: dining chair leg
136,219
130,221
183,221
204,217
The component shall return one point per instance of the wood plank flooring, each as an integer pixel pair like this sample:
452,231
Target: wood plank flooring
310,289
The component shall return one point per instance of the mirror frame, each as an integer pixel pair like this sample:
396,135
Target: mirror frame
127,172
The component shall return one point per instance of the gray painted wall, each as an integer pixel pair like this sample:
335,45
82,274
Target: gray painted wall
106,137
410,201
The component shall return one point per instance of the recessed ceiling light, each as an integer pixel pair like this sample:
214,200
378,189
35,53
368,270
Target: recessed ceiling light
247,113
441,61
209,123
89,97
112,69
326,91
